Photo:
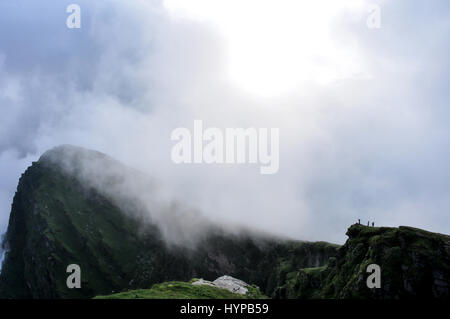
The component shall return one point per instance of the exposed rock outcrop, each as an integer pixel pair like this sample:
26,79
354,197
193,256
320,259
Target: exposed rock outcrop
226,282
414,264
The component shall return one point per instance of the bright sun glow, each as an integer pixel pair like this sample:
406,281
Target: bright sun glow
274,46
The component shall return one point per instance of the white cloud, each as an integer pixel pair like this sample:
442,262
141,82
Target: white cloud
275,47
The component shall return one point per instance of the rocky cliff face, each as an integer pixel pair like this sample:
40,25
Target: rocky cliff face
61,217
414,264
58,219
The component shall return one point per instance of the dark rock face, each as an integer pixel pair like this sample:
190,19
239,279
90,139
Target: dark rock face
414,264
57,220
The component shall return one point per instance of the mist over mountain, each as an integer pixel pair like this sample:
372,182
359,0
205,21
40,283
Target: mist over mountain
78,206
131,190
139,195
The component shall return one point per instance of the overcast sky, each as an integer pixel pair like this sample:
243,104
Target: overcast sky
363,112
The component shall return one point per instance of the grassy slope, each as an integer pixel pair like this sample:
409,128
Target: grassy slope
183,290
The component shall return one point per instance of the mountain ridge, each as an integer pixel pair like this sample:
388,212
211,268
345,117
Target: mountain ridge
71,207
57,220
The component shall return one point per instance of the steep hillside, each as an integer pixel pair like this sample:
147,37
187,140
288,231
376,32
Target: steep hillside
176,290
58,218
414,264
76,206
188,290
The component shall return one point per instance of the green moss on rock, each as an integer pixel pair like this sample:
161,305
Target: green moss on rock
414,264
